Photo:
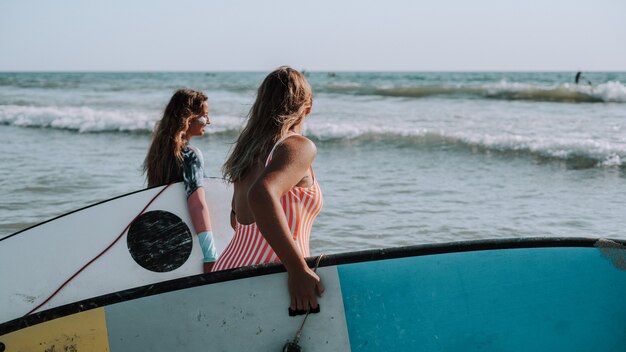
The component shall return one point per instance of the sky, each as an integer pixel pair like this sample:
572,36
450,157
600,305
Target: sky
319,35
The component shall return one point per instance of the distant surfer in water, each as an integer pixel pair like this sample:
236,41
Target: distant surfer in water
172,158
579,76
276,195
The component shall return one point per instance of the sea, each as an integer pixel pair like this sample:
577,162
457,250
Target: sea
404,158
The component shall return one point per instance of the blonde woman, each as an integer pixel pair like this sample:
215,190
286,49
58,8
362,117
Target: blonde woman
172,158
276,196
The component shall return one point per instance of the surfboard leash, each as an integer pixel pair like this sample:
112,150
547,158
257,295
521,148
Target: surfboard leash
101,253
293,346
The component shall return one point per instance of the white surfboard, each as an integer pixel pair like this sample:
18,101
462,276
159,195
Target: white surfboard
160,246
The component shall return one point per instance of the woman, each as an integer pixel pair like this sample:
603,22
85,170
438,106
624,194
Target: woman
276,196
171,158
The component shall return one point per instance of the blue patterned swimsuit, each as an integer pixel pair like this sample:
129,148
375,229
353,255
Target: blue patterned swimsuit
193,169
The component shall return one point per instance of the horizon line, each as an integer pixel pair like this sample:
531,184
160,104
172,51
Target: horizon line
310,71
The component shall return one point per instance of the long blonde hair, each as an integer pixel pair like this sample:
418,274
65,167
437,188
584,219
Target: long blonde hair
163,164
281,103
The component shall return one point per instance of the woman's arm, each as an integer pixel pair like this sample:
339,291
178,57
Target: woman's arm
199,213
193,178
290,163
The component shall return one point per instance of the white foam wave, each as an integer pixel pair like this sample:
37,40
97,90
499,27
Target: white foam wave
605,152
612,91
614,160
81,119
602,152
86,119
336,131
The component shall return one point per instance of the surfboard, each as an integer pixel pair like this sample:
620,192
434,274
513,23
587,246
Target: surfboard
160,245
544,294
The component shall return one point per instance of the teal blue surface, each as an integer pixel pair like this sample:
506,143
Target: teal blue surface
540,299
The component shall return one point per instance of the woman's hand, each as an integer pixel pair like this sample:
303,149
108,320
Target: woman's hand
207,267
304,288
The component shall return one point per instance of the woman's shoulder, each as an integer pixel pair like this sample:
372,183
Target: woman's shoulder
190,148
191,151
291,148
299,142
192,156
296,146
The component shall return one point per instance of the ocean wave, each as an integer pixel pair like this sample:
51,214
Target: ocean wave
525,87
86,119
575,153
609,92
42,82
128,81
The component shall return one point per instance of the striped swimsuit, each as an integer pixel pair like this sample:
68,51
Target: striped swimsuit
249,247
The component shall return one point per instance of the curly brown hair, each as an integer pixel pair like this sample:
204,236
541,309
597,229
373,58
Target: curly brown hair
163,164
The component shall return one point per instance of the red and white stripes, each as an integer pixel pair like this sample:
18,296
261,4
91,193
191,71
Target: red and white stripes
248,246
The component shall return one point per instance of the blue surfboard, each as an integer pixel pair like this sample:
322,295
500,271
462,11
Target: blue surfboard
541,294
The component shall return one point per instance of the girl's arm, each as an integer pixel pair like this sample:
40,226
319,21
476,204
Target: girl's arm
199,213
